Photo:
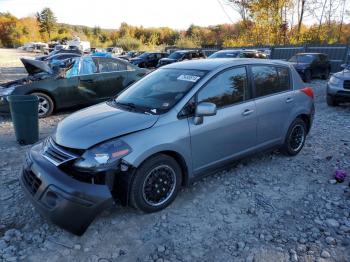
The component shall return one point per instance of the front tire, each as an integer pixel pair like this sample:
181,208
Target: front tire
295,138
156,183
46,105
331,101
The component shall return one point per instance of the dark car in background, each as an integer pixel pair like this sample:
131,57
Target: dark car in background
59,51
181,55
58,59
129,55
148,59
82,81
338,87
311,65
238,53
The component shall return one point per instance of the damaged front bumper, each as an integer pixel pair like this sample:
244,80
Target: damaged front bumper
67,202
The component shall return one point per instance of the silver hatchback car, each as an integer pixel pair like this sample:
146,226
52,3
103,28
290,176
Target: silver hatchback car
173,126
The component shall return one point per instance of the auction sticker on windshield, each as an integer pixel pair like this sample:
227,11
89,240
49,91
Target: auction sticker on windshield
189,78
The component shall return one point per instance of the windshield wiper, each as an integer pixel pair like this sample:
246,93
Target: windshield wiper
134,107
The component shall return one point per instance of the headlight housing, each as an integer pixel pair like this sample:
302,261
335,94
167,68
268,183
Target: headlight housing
335,81
103,157
6,91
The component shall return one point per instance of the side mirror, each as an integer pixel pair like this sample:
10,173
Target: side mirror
204,109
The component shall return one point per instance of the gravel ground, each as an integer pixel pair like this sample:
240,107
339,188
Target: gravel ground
266,208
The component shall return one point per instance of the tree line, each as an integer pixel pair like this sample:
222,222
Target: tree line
263,22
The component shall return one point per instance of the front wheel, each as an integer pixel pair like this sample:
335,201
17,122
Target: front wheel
46,105
295,138
156,183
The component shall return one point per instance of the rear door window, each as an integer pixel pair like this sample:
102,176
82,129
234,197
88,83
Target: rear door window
270,80
226,89
111,65
284,78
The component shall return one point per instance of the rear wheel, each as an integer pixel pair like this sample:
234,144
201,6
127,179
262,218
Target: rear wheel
46,105
295,138
156,183
331,101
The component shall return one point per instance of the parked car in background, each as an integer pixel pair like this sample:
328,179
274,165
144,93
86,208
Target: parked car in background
338,87
114,50
311,65
181,55
131,54
58,51
148,59
82,81
165,131
57,59
238,53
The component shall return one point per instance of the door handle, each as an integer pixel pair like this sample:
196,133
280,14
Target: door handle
289,99
247,112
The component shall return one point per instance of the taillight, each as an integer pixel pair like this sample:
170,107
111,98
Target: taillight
308,91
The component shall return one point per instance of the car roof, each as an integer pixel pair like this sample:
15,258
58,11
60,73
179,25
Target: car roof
212,64
236,51
311,54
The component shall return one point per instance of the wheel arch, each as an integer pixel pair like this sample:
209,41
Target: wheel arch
178,158
45,92
307,119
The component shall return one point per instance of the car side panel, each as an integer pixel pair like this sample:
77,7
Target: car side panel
169,136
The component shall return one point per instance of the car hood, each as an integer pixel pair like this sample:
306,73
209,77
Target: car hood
167,60
136,59
35,66
345,74
99,123
300,65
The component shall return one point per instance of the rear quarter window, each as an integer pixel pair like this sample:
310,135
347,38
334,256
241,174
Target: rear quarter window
269,80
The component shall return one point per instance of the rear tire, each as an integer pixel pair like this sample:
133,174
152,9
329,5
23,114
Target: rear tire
295,138
156,183
46,105
331,101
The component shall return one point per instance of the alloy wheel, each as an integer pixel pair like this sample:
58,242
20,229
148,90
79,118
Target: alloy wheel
159,185
44,106
297,138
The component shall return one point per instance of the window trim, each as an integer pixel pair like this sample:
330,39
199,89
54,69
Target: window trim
291,86
195,95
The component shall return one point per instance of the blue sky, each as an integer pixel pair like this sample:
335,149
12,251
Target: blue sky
177,14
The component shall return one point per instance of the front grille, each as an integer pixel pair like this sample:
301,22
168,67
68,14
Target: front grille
31,181
347,84
56,154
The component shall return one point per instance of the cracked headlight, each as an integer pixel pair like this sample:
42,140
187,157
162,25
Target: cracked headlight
335,81
6,91
103,157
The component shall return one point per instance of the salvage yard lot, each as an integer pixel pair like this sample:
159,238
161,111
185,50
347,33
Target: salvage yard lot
265,208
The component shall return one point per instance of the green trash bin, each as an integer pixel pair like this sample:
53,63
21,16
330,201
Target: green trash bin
24,114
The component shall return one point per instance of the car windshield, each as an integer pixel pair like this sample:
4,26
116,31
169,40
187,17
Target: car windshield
224,55
302,59
176,55
144,55
159,91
